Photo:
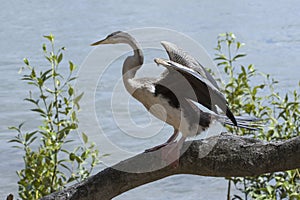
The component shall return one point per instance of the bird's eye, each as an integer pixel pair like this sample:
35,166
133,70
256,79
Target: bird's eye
113,34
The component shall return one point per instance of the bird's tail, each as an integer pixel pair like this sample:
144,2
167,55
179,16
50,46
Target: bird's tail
247,122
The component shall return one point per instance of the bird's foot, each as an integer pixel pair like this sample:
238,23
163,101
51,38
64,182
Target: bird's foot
156,147
170,153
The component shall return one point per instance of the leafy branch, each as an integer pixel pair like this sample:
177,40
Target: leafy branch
48,164
251,92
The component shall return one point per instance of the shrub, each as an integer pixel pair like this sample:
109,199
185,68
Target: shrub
247,95
48,164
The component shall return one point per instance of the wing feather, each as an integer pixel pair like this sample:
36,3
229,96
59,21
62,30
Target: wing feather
180,56
187,83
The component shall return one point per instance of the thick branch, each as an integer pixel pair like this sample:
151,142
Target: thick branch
221,156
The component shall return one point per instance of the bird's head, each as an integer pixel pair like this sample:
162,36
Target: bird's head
114,38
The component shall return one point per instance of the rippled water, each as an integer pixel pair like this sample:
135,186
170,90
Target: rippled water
270,30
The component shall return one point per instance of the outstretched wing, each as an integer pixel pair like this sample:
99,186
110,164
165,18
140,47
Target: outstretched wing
180,56
179,78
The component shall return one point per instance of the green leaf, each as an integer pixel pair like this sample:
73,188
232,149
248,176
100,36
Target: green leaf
239,45
31,140
238,56
33,74
66,167
70,91
71,79
29,135
77,99
49,37
72,66
49,109
44,48
20,70
221,57
270,189
61,135
36,102
222,63
73,116
84,137
16,140
39,110
43,97
58,82
40,82
45,75
72,156
14,128
78,159
26,61
60,57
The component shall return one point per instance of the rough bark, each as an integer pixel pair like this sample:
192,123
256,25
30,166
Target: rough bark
220,156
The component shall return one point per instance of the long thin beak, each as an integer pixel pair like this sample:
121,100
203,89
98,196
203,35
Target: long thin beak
104,41
161,61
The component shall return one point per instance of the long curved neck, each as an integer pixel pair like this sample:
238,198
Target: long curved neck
132,64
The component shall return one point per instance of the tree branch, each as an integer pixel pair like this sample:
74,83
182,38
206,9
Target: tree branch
221,156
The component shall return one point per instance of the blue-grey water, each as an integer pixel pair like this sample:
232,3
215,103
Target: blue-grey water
271,31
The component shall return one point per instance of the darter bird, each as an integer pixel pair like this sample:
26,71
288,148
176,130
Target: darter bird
184,84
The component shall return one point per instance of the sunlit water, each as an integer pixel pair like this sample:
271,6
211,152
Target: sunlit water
270,30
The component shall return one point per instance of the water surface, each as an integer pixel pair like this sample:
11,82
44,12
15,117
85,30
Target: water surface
270,30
